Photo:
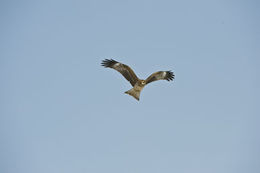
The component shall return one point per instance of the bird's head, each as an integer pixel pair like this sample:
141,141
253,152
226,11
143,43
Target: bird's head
142,82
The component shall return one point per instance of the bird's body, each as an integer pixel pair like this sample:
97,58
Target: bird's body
138,84
136,90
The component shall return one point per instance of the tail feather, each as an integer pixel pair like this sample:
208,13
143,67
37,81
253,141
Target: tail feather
134,93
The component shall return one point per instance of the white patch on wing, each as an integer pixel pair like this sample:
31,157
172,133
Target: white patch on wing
116,64
164,74
161,75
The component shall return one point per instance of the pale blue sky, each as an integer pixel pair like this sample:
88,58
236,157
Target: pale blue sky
62,112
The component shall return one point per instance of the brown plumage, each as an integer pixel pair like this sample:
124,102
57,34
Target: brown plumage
138,84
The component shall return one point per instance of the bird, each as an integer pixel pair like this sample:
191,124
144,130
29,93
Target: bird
129,74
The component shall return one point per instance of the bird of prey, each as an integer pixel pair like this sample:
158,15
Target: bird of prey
138,84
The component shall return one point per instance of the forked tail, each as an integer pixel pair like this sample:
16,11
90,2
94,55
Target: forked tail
134,93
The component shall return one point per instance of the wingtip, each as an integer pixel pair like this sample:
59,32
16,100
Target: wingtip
108,63
170,75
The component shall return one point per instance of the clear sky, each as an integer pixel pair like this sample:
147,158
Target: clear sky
62,112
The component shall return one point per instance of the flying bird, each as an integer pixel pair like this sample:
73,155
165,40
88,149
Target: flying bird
138,84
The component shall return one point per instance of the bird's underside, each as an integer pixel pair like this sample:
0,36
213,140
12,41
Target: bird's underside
138,84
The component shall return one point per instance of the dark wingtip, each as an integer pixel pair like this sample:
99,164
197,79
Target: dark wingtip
170,76
108,62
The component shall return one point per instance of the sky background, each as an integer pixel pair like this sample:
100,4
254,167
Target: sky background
62,112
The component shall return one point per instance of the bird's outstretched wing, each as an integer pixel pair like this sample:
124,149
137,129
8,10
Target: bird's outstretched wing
126,71
160,75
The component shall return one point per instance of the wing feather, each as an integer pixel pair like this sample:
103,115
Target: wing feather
160,75
125,70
